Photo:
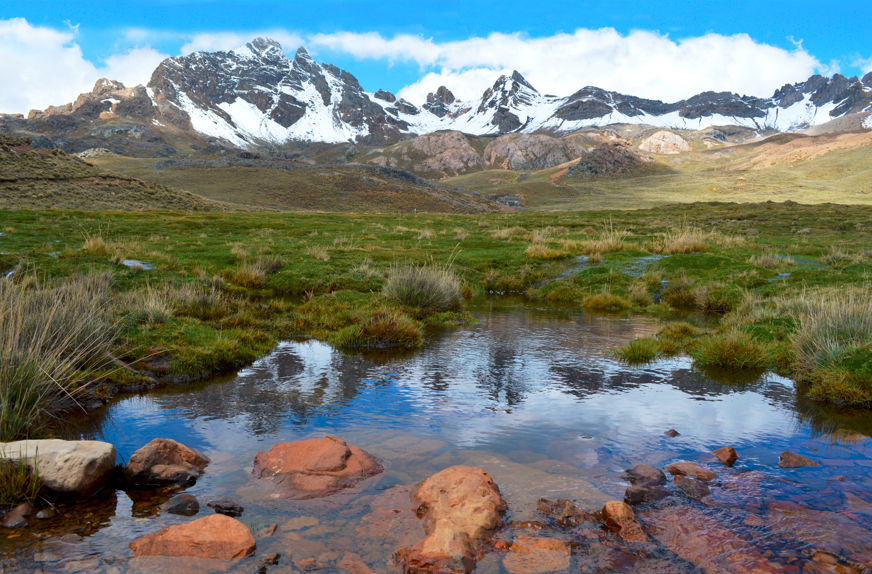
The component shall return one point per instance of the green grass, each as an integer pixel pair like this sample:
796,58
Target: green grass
730,350
427,288
18,482
638,351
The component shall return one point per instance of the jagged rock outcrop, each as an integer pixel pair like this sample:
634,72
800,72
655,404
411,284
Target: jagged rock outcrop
614,158
664,142
521,152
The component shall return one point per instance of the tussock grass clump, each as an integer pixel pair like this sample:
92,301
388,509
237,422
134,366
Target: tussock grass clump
607,240
679,293
427,233
837,258
639,294
606,301
429,288
638,351
50,340
688,239
459,234
507,232
383,330
318,252
512,280
204,302
732,349
18,482
543,252
149,306
717,298
677,336
771,261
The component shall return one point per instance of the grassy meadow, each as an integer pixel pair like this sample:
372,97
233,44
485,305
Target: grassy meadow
123,301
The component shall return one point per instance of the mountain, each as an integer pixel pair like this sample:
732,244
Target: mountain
255,95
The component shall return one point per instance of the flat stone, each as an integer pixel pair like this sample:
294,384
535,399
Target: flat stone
790,460
691,469
70,469
727,455
315,468
299,523
644,474
18,516
529,555
638,494
46,513
181,504
226,507
619,517
267,531
691,487
164,461
565,512
213,537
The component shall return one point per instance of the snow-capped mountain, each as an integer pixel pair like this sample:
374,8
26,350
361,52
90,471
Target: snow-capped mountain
256,94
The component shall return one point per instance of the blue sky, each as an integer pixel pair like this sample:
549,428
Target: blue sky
412,47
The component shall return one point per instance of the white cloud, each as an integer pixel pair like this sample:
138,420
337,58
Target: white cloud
646,64
465,85
215,41
865,65
42,67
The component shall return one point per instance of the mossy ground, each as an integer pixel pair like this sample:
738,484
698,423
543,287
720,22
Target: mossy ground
330,291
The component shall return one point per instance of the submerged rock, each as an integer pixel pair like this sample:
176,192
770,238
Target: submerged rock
529,555
164,461
215,537
790,460
69,469
691,469
641,493
565,512
315,468
18,516
619,517
645,474
727,455
691,487
460,507
672,433
181,504
226,507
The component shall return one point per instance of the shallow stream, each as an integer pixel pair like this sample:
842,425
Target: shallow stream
531,395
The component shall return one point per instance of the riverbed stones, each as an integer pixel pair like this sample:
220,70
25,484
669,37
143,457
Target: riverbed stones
182,504
641,493
727,455
315,468
530,555
790,460
564,512
645,475
691,469
213,537
226,507
691,487
619,517
70,470
18,516
460,507
164,461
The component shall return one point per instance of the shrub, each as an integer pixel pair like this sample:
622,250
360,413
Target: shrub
429,288
636,351
730,350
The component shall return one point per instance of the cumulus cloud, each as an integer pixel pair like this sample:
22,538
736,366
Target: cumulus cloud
865,65
641,63
215,41
41,66
466,84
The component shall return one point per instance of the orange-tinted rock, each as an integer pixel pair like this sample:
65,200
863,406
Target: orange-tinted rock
619,517
352,564
691,469
529,555
164,461
790,460
460,507
691,487
315,468
727,455
703,542
214,537
565,512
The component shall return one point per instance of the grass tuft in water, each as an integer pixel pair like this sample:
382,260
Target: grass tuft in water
383,330
606,301
730,350
428,288
638,351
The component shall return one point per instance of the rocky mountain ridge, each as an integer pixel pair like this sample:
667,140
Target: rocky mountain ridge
255,95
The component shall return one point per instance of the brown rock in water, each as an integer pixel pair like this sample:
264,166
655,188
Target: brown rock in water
352,564
460,507
267,531
619,517
703,542
529,555
565,512
691,487
637,494
226,507
315,468
727,455
216,537
672,433
691,469
164,461
790,460
182,504
17,517
644,474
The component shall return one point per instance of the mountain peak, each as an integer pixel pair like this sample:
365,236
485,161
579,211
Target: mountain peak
302,53
517,77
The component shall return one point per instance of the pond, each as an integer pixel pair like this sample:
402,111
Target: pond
531,395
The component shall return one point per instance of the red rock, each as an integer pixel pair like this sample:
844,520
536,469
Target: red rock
790,460
460,507
352,564
213,537
563,511
529,555
727,455
164,461
691,487
691,469
703,542
267,531
619,517
315,468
